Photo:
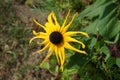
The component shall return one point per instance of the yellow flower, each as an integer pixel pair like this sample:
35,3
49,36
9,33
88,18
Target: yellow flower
56,38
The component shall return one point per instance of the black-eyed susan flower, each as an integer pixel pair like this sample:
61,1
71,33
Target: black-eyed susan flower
56,38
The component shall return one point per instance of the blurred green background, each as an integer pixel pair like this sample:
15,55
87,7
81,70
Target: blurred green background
99,18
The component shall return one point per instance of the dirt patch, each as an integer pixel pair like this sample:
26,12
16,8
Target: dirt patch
26,14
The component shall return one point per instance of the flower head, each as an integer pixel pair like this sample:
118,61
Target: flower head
56,38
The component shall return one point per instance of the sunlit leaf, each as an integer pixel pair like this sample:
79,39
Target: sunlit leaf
45,65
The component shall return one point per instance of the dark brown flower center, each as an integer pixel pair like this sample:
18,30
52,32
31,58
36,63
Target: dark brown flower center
56,37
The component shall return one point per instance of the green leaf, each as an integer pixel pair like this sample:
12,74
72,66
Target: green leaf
109,27
45,65
115,29
67,72
105,13
54,69
100,25
70,71
76,61
110,62
91,8
93,42
118,62
53,59
96,9
115,40
106,51
108,7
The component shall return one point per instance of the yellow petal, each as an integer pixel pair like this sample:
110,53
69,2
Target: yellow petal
63,25
50,27
62,58
52,22
39,33
63,54
52,18
32,39
41,50
57,55
42,37
49,54
39,24
55,20
67,26
69,39
44,42
62,67
70,33
34,32
68,46
46,58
